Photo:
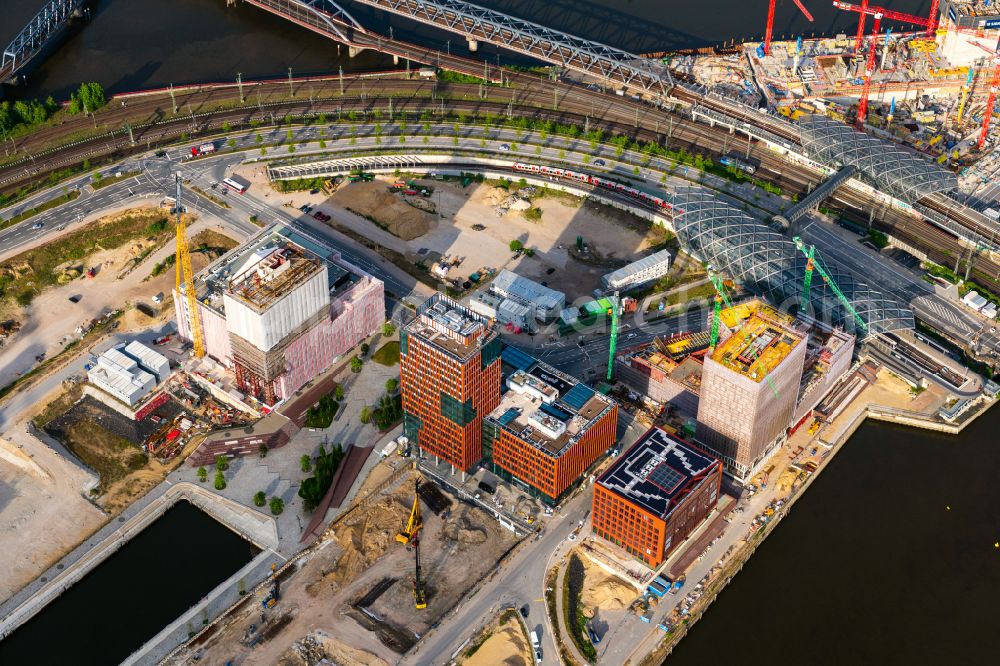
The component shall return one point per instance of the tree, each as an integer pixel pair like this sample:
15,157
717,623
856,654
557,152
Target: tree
226,127
220,481
259,498
221,463
277,505
231,143
366,414
388,329
305,462
88,98
391,384
365,348
262,450
202,474
338,393
515,245
356,364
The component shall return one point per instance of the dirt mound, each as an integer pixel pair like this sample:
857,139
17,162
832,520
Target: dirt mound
465,531
366,536
603,590
507,647
385,209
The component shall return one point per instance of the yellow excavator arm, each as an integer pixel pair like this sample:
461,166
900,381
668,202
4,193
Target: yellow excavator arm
413,525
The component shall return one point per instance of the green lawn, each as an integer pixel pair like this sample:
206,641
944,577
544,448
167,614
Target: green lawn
387,354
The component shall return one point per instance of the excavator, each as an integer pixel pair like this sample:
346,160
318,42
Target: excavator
411,536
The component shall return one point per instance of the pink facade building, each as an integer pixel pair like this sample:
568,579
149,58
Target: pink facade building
281,309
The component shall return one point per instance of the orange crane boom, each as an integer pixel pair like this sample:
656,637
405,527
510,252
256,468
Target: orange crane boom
769,29
869,70
990,103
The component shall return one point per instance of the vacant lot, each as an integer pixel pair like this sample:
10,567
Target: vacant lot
387,210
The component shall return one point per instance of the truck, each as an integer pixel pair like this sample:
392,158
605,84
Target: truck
203,149
534,639
389,449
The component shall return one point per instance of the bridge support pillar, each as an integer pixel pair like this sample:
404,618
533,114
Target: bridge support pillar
395,60
353,51
473,45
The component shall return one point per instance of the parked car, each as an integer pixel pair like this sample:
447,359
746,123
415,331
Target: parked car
600,163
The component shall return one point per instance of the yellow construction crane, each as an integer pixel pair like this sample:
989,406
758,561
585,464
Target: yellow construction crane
411,536
185,276
414,524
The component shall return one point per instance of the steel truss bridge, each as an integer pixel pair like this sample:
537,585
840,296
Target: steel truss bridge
41,29
478,24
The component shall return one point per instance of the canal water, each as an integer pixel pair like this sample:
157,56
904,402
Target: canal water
138,44
890,557
135,593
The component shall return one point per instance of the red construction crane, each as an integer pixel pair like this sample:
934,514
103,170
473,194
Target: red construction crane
990,102
864,10
869,69
769,29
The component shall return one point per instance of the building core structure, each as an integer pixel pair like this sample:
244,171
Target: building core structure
280,309
749,390
655,495
548,428
450,379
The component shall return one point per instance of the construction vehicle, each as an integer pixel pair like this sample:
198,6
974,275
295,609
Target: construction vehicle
411,537
273,593
413,524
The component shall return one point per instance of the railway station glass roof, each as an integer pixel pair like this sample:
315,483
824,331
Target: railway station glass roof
767,263
891,168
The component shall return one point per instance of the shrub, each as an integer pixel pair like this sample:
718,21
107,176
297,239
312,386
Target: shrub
533,214
515,245
388,329
314,488
338,393
391,384
202,474
259,498
262,450
220,481
305,462
221,463
277,505
356,364
366,414
365,348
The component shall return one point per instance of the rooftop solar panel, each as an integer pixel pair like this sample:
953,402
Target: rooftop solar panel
665,477
578,396
558,413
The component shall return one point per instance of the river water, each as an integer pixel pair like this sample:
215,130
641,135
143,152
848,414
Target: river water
136,44
890,557
134,594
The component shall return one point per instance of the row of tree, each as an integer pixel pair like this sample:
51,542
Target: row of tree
29,113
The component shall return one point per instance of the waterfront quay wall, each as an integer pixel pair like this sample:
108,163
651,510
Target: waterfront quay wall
835,442
255,527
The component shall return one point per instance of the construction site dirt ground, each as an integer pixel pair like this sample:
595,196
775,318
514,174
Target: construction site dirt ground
615,237
359,564
49,322
506,644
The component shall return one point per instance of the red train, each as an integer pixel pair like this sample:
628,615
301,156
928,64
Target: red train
597,181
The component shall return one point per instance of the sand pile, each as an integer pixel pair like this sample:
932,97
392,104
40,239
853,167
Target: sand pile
319,648
366,536
386,209
603,590
506,646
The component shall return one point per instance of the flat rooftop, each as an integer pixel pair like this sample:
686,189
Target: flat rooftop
544,407
219,276
657,471
451,327
758,347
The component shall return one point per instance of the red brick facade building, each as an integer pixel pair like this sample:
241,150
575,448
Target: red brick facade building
655,495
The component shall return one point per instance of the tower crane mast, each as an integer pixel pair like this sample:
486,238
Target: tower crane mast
810,252
185,275
990,103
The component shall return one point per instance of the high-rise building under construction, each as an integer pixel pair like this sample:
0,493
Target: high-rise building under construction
749,389
450,379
